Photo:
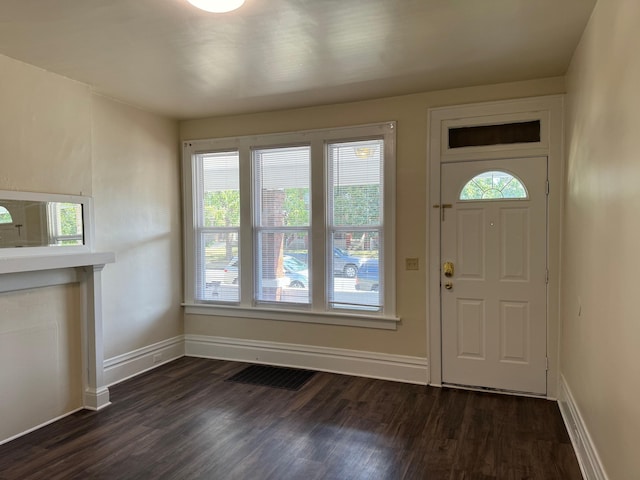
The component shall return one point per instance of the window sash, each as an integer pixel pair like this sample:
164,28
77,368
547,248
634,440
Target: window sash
214,285
369,299
286,282
356,199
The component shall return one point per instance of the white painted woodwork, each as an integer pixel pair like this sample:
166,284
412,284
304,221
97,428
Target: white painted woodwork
37,263
169,57
583,443
359,363
20,273
494,317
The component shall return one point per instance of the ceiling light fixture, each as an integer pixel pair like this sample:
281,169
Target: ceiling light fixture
217,6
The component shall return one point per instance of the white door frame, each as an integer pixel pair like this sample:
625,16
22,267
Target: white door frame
549,110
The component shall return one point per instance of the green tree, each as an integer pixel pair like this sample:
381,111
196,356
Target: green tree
296,206
357,205
69,221
5,216
222,209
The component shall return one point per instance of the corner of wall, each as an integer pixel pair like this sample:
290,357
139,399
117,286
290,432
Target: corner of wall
588,458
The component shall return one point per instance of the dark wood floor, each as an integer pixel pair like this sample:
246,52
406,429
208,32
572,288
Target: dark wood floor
182,421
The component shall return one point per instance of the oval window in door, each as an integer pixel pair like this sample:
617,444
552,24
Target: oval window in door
493,185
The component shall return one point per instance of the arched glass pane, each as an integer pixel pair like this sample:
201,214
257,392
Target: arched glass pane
494,185
5,216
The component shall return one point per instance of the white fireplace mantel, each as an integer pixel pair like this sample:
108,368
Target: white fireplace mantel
33,271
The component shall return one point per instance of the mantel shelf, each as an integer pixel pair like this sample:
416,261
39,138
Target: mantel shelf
34,263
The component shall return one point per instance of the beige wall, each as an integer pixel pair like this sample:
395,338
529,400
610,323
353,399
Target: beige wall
45,146
40,358
411,221
47,124
45,131
136,191
601,333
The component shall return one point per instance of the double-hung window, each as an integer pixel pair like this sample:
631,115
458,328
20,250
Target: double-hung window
282,224
65,223
355,223
294,226
216,225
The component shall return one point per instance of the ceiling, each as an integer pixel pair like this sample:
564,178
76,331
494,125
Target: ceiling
170,58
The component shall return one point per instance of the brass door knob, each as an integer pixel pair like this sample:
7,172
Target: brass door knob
447,269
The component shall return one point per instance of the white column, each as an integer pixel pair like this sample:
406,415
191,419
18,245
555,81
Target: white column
95,393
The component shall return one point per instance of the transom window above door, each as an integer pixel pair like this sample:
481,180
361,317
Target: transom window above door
493,185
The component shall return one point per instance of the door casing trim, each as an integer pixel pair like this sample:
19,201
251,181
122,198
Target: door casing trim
549,109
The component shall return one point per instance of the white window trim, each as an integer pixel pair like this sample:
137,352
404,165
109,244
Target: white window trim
319,311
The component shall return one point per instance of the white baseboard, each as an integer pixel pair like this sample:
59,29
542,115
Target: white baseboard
96,398
122,367
590,463
399,368
44,424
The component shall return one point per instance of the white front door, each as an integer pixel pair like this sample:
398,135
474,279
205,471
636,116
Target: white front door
494,236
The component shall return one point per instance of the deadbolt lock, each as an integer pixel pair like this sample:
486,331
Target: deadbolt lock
447,269
448,285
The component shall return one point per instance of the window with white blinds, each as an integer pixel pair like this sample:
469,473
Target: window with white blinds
294,226
217,226
282,224
356,229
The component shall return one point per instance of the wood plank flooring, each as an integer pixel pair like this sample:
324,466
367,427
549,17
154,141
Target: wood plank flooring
183,421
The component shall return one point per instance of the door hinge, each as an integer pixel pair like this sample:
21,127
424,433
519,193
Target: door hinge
546,276
546,364
548,188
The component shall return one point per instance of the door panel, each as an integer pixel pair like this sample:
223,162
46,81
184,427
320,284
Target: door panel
514,246
471,328
471,248
494,306
514,332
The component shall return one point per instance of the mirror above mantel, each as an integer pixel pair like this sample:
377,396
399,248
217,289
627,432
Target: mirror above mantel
44,224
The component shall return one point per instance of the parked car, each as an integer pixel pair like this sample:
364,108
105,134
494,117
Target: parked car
231,272
345,264
302,256
368,277
295,270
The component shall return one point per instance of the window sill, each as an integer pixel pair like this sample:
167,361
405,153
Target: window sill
325,318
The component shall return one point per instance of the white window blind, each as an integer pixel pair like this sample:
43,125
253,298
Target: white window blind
217,226
356,174
282,224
